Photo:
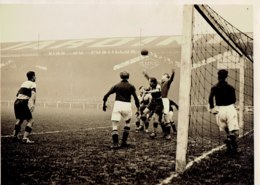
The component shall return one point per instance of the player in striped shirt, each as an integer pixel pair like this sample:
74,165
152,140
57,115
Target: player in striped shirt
26,93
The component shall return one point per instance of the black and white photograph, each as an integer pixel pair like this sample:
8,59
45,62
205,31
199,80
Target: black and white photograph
110,92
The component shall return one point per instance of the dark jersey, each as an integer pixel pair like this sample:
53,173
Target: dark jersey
224,94
123,91
165,86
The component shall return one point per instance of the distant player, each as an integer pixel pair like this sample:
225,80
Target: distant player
22,110
122,108
144,100
224,109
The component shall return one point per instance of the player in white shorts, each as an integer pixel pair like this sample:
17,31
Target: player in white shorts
122,108
226,114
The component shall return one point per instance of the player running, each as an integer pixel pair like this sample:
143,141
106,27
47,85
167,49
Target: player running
122,108
224,109
22,111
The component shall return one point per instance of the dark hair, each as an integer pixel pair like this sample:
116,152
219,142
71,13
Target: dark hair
222,74
30,75
124,75
154,80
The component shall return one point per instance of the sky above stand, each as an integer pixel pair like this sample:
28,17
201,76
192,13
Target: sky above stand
59,20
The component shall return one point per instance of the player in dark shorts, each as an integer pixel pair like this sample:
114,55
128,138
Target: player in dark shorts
165,84
23,110
155,106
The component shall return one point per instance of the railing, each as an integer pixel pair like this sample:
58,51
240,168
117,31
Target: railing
62,104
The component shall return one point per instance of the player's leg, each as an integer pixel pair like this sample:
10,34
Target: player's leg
115,118
17,129
19,107
146,125
126,133
137,123
27,132
115,135
162,124
167,127
233,127
172,123
140,121
157,117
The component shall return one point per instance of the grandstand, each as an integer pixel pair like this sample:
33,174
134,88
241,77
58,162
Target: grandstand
83,70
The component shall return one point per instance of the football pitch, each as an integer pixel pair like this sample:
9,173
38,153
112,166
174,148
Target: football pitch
72,147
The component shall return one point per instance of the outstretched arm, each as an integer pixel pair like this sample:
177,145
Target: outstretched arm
172,75
146,75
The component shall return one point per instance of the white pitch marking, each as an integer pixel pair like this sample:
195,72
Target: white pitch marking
60,131
198,159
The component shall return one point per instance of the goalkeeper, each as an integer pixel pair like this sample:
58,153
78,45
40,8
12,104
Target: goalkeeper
226,114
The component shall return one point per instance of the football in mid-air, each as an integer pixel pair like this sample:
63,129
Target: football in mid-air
144,52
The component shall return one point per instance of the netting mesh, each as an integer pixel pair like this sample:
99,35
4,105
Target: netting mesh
211,52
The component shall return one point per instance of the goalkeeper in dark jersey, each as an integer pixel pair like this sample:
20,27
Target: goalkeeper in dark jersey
22,108
224,109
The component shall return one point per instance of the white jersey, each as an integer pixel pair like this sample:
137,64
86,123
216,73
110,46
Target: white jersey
25,91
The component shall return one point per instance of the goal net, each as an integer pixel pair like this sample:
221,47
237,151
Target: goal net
216,44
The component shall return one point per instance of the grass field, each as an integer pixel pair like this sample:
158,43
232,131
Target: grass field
72,147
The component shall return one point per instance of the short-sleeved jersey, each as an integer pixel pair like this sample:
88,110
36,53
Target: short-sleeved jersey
25,91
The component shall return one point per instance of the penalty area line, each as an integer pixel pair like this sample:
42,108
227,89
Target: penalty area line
61,131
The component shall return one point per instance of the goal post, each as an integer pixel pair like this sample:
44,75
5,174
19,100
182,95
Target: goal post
184,90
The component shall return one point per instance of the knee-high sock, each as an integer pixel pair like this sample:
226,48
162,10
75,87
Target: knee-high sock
125,134
115,136
146,124
173,127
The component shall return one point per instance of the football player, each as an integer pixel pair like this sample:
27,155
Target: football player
122,108
224,109
144,99
22,110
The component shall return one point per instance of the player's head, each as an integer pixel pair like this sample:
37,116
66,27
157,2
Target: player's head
153,82
222,74
31,76
124,75
165,77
